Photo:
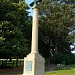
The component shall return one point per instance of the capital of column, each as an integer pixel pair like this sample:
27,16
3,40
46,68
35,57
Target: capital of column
35,6
35,3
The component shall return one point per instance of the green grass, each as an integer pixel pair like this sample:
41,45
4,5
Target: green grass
60,70
63,70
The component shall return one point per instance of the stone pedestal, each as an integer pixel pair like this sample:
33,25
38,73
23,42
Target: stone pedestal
34,64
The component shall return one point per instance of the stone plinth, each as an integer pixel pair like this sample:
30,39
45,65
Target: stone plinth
34,64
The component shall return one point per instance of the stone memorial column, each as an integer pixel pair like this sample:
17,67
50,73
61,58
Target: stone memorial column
34,62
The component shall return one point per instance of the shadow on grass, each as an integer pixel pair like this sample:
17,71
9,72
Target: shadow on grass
10,74
12,71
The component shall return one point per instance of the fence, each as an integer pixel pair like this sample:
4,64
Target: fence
5,63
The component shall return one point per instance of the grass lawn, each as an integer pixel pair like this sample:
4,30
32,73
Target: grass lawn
63,70
60,70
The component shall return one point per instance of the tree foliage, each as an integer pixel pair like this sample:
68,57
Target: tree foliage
13,17
56,21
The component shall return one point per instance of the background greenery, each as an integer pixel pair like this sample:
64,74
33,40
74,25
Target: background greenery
56,30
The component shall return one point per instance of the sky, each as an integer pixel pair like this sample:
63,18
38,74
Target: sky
28,2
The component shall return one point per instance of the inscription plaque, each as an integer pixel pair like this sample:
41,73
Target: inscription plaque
28,65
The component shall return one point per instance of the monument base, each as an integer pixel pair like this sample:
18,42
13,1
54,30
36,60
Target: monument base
34,64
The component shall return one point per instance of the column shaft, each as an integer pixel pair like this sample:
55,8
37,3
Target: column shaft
34,48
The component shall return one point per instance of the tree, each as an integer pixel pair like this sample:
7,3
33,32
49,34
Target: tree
66,1
56,20
13,17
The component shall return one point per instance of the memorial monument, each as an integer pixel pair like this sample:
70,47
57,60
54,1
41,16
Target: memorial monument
34,62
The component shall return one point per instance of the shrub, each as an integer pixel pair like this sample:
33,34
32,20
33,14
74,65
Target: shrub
64,59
